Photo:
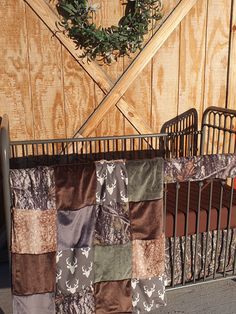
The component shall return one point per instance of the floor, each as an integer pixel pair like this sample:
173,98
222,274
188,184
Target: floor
217,297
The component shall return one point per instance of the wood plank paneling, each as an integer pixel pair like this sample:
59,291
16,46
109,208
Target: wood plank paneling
232,62
217,49
47,94
192,59
15,98
138,65
78,92
165,77
109,13
139,93
45,62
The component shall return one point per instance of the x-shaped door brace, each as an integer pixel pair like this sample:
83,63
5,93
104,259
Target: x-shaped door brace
114,91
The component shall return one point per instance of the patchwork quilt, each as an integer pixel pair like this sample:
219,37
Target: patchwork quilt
88,238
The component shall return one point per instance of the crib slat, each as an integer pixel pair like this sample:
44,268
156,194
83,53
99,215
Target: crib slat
200,184
186,232
208,229
218,229
228,225
177,187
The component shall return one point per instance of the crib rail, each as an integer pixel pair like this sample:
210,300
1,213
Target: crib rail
183,134
90,148
218,131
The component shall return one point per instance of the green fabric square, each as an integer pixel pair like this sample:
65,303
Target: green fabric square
145,179
112,262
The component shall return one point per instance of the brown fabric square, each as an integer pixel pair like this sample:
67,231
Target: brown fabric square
148,259
146,219
33,273
113,297
75,186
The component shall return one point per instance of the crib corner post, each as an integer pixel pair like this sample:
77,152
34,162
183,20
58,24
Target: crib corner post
5,168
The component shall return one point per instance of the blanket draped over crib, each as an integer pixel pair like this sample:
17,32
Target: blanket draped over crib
88,238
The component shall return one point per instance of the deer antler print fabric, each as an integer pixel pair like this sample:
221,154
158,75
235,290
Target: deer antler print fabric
88,238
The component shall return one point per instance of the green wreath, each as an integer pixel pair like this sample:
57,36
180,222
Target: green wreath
114,41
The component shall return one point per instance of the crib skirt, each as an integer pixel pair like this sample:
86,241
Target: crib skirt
208,257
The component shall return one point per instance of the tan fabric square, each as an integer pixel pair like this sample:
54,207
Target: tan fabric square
33,231
148,258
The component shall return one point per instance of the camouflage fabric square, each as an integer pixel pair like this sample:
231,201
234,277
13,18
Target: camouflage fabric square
80,241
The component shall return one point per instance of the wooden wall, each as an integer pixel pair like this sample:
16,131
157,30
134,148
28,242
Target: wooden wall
48,95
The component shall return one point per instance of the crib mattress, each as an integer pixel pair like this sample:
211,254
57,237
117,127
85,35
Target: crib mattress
193,208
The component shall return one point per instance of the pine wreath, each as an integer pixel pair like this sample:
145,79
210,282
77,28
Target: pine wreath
114,41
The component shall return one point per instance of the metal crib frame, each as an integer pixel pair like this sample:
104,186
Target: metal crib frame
217,123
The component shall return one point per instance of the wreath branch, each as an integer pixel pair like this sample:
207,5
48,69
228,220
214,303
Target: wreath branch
108,44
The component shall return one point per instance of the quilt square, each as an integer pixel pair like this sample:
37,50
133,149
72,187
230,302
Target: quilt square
146,219
113,297
112,225
112,182
145,179
112,262
74,270
148,258
34,304
33,188
75,229
148,294
33,231
33,273
75,186
77,303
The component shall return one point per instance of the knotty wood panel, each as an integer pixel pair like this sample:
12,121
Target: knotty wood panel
232,61
47,94
45,63
110,13
192,59
78,93
217,50
15,93
165,79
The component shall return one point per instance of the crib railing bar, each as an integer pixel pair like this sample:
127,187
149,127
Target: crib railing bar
228,224
87,139
218,139
230,135
16,152
164,206
234,267
186,232
224,136
218,229
125,145
27,152
23,150
208,228
37,149
213,137
177,187
208,140
200,184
